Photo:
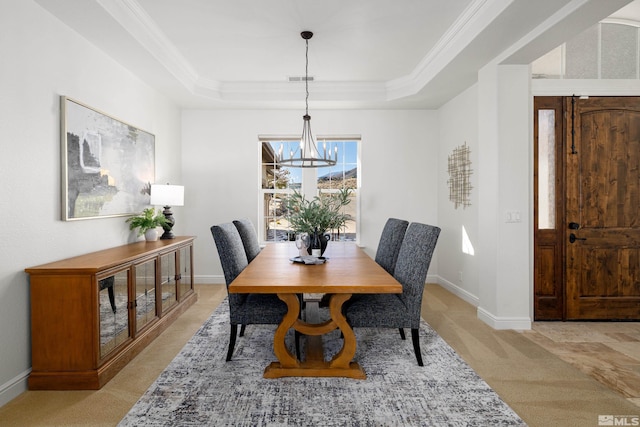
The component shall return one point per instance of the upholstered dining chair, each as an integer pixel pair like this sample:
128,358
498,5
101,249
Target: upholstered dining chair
400,310
249,237
244,309
386,254
390,241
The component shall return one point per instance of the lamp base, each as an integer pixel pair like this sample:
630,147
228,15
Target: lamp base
168,234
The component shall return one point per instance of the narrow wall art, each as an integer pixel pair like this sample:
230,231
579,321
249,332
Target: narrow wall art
107,165
459,168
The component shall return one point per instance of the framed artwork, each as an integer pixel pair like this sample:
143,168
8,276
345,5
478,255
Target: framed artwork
107,165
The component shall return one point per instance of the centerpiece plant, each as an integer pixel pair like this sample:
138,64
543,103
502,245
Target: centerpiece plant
320,215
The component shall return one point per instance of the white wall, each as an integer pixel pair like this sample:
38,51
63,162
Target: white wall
221,161
515,245
494,118
458,271
42,59
505,173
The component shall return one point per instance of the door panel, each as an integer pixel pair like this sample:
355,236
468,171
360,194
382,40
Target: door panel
603,198
547,297
548,208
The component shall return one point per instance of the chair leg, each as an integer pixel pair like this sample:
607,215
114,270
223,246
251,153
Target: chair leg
296,334
402,334
242,328
232,341
112,298
415,335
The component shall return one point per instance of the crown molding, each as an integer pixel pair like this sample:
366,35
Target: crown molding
451,63
137,22
134,19
475,18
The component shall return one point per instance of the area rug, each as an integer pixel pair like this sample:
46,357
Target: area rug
199,388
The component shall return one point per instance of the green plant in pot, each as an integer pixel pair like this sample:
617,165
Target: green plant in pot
318,216
147,222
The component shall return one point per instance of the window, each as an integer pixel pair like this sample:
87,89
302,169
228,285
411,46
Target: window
278,182
607,50
546,169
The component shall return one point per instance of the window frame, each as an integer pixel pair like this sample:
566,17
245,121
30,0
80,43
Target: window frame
309,181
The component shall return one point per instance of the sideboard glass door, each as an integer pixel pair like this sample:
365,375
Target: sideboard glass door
145,293
185,271
168,281
113,297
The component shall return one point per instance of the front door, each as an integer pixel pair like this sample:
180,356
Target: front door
602,214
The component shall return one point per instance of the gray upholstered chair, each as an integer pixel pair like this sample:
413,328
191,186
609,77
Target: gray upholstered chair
390,241
244,309
249,238
386,254
400,310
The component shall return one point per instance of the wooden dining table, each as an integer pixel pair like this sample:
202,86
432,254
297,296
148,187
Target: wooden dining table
348,270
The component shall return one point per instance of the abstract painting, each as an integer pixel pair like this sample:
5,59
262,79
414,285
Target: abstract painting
107,165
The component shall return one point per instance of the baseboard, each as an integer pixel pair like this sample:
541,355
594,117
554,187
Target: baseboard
499,323
516,323
456,290
212,279
14,387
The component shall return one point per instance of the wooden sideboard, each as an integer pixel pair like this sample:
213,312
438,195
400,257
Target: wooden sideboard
92,314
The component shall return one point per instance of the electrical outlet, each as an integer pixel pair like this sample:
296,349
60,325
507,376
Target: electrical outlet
460,276
512,216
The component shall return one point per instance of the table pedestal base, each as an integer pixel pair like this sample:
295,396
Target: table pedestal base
314,366
314,369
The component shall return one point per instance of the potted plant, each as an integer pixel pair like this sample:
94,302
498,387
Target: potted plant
147,222
318,216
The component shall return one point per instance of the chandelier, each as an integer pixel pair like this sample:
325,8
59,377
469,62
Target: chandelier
307,154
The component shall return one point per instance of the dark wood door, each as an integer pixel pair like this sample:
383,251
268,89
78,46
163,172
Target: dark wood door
548,208
602,228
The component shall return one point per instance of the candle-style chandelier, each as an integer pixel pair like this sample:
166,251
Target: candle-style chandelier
307,154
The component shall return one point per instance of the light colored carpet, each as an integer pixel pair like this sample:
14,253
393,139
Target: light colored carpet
200,388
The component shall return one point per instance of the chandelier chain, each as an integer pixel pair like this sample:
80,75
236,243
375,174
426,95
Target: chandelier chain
307,154
306,78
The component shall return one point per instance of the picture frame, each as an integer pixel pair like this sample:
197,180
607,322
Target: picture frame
108,165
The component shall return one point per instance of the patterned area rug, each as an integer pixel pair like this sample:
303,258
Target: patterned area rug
199,388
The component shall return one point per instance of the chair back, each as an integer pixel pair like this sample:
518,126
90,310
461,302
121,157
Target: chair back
233,260
390,241
413,262
230,249
249,237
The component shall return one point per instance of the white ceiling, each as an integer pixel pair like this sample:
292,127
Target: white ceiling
364,53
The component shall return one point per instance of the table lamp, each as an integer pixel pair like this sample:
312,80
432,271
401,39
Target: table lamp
167,196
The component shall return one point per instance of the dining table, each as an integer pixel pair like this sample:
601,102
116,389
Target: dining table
347,270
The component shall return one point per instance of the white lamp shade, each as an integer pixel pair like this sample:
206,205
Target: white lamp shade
167,195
